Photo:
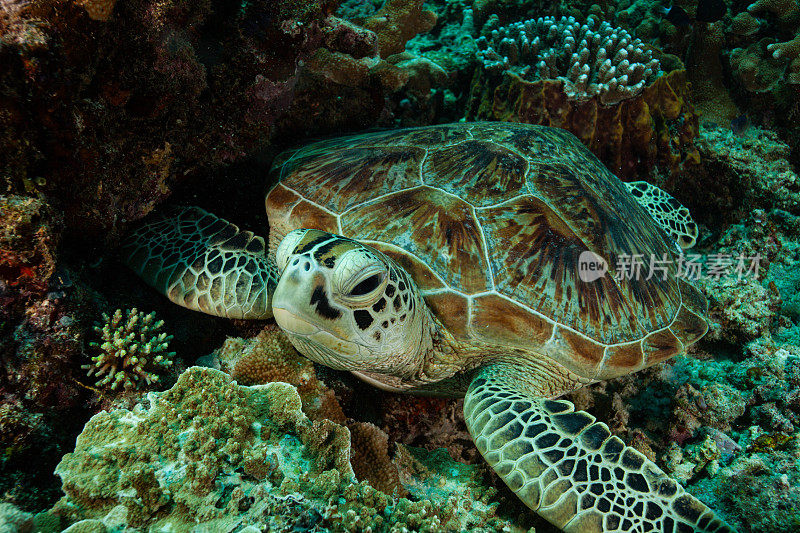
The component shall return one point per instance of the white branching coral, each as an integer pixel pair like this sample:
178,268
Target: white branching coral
591,59
132,350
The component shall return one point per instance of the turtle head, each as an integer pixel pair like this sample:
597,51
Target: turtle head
348,306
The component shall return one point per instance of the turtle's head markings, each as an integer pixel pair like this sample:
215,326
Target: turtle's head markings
346,305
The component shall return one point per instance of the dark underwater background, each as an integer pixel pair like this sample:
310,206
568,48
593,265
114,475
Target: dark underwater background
111,109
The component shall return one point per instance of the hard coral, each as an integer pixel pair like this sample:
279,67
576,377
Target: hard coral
784,10
789,50
28,240
397,22
270,357
371,459
133,350
97,9
757,68
210,427
706,74
214,455
656,128
605,61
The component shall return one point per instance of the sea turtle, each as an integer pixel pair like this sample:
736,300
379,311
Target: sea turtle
453,259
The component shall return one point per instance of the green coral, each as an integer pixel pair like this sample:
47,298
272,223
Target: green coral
212,455
133,350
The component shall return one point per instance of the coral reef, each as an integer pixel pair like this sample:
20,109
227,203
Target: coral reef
269,357
632,137
42,404
29,238
740,173
396,22
107,109
213,453
111,117
133,350
606,62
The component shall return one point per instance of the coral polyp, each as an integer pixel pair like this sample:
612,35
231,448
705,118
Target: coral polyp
604,61
132,352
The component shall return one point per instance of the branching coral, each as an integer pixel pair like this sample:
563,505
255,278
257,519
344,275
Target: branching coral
785,10
132,351
590,58
791,51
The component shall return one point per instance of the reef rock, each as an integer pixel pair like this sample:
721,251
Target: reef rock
214,454
199,451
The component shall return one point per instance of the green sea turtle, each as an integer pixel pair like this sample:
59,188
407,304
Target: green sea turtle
447,259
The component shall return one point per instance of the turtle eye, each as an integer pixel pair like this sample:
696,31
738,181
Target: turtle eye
367,285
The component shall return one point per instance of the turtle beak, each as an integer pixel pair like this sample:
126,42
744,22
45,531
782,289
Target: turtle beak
311,335
300,302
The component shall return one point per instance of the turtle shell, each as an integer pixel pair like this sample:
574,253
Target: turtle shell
491,219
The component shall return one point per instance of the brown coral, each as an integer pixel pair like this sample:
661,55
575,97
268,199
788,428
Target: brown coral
371,459
791,51
270,357
397,22
630,137
704,69
98,9
756,68
785,10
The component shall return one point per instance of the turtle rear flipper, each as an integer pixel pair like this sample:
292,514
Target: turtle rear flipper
667,211
205,263
568,467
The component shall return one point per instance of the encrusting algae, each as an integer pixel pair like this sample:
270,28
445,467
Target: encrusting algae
211,453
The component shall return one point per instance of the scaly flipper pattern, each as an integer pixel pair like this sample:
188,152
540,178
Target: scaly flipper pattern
667,211
568,467
204,263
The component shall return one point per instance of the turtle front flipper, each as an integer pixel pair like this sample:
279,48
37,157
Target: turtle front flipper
568,467
204,263
667,211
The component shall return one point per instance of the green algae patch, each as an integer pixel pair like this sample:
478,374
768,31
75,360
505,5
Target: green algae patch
212,455
201,452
